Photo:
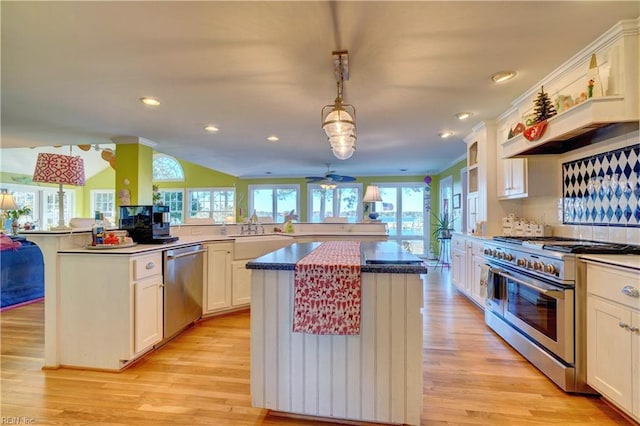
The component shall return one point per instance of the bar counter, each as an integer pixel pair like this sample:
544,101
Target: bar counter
373,376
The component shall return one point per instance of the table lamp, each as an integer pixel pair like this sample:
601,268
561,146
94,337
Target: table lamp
372,195
60,169
7,202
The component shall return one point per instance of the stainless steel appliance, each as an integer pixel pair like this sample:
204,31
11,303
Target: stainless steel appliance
147,224
183,281
536,301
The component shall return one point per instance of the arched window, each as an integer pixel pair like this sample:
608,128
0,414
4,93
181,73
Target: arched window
166,168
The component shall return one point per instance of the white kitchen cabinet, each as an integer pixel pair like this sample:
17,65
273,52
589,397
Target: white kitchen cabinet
217,292
467,259
458,262
613,335
477,286
512,178
110,308
148,312
241,292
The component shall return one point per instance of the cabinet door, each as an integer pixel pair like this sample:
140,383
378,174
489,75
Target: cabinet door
609,366
218,277
518,177
472,211
241,293
478,291
512,178
458,268
148,311
635,362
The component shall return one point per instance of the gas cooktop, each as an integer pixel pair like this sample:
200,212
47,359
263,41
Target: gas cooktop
570,245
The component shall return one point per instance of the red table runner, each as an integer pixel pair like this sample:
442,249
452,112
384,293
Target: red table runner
327,290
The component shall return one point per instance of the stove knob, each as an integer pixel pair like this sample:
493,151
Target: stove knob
529,264
500,255
550,269
487,251
521,262
494,253
538,266
508,257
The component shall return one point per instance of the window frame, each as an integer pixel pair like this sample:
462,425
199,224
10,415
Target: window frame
92,200
182,210
311,187
212,191
158,156
274,200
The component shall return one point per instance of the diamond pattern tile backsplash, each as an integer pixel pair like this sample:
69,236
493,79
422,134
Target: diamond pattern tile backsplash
603,189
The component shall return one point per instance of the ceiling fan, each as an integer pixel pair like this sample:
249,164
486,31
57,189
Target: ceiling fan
330,178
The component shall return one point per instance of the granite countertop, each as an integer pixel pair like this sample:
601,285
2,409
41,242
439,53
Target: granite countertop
631,261
377,257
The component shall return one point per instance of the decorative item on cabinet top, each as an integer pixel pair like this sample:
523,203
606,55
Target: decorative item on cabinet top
603,189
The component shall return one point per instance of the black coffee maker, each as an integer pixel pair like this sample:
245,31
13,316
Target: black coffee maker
147,224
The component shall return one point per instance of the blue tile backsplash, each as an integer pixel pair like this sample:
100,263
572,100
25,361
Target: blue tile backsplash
603,189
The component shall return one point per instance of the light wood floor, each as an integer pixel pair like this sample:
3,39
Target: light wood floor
471,377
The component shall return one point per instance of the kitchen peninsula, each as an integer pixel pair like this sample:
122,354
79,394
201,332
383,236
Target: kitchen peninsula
65,287
372,374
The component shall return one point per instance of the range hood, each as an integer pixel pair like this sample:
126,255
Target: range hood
592,121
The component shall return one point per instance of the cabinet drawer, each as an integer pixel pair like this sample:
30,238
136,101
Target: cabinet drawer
147,266
614,284
478,248
457,242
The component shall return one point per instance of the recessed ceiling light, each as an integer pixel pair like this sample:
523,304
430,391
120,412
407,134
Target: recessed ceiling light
273,138
502,76
150,101
403,170
463,115
211,128
267,173
446,134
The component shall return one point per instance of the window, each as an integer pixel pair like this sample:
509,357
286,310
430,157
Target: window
51,213
103,201
275,201
173,198
343,200
215,203
166,168
403,209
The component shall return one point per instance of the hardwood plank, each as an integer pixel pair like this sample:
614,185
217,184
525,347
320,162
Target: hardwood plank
471,377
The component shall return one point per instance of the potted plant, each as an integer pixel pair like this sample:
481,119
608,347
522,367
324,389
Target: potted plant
14,215
444,225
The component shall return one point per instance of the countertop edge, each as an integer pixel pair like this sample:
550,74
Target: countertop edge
629,261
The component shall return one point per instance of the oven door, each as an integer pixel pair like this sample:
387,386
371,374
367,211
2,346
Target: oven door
541,310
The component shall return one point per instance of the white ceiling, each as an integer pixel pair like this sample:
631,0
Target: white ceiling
72,73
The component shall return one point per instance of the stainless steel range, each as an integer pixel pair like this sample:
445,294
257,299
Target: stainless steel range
536,301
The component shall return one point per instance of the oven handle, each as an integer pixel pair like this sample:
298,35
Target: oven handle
551,293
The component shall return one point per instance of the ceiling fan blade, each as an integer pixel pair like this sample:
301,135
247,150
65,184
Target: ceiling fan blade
315,178
340,178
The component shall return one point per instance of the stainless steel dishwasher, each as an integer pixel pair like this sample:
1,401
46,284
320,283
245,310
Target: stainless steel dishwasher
183,280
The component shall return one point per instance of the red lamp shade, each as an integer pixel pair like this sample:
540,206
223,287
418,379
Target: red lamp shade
58,168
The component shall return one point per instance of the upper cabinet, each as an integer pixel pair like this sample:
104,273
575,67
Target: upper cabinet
598,87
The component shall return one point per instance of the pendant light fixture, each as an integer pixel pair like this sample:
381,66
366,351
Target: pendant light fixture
338,119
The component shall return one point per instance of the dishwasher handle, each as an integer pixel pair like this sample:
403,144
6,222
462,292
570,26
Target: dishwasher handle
171,256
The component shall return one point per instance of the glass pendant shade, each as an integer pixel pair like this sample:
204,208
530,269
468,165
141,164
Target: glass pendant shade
343,153
338,122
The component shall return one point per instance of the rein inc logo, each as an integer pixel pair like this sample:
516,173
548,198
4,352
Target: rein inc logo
17,420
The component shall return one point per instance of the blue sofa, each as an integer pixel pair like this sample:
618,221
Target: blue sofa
22,274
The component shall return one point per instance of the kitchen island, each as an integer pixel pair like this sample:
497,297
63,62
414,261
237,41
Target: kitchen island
374,375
